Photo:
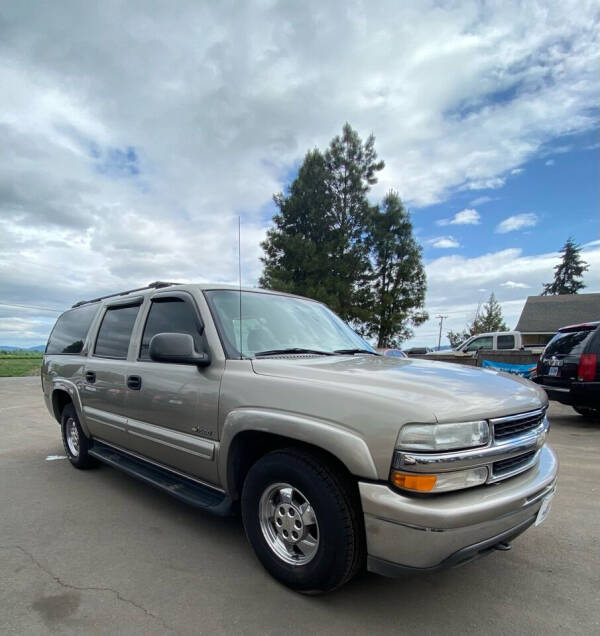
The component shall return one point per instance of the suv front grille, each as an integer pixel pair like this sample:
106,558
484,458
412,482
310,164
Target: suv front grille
512,464
513,425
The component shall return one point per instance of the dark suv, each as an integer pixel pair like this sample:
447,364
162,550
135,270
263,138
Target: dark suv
569,368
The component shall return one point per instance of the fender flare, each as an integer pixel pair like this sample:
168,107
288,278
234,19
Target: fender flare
62,384
346,445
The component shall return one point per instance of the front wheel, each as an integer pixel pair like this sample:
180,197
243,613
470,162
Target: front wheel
303,521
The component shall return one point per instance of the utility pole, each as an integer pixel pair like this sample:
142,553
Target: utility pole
441,317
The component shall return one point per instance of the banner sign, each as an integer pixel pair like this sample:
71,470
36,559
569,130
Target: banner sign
525,370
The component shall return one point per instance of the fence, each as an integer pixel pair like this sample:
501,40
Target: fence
505,357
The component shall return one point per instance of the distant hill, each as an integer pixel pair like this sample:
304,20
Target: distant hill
13,348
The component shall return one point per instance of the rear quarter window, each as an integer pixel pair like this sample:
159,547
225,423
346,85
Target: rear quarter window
70,330
566,343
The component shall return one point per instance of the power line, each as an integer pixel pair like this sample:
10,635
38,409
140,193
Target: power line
55,311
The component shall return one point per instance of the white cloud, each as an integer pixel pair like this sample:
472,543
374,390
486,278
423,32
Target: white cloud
481,201
517,222
468,216
516,171
444,242
514,285
550,162
132,138
456,284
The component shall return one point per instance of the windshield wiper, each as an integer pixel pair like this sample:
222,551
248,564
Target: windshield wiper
274,352
352,351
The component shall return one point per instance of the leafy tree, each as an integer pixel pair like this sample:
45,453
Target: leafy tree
568,273
456,337
398,284
319,244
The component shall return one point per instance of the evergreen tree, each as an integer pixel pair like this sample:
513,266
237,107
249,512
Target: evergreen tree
490,318
398,283
297,248
568,273
487,320
319,244
351,168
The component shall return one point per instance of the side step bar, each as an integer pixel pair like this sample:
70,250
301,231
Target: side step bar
187,490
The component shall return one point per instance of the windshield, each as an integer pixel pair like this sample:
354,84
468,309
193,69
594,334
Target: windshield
272,322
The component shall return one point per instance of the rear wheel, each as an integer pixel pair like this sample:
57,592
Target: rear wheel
303,521
588,412
75,442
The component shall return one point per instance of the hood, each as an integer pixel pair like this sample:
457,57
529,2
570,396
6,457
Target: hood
445,390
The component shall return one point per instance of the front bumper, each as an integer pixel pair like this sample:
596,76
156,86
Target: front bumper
408,532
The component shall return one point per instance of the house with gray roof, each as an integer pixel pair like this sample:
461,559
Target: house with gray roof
543,316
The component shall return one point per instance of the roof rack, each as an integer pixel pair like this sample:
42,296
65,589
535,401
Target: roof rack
155,285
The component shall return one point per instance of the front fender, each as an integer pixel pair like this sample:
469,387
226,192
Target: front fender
62,384
348,447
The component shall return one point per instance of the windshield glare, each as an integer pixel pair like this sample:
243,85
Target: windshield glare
271,321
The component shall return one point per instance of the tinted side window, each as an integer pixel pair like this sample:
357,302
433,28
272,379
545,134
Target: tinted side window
568,343
115,332
171,315
506,342
71,330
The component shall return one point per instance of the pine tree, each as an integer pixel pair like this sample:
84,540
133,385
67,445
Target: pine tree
568,273
487,320
351,168
318,246
490,318
297,248
398,284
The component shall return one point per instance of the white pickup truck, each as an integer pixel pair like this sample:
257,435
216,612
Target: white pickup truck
495,340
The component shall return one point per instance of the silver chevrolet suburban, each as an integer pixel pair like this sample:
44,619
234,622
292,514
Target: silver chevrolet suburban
338,458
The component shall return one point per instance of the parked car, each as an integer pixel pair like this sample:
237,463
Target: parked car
267,403
503,340
569,368
392,353
418,351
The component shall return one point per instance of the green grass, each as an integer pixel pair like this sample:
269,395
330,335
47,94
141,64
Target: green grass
16,364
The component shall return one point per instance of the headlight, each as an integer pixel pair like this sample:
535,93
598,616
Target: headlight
442,437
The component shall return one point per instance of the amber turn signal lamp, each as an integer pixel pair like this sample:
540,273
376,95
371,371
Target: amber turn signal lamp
412,481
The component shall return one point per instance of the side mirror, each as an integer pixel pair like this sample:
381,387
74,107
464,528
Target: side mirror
177,348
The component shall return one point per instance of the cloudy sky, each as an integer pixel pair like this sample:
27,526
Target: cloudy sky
132,134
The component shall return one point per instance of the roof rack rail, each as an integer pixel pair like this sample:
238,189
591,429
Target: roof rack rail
158,284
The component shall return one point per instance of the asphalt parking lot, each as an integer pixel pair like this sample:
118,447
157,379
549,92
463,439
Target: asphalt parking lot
97,552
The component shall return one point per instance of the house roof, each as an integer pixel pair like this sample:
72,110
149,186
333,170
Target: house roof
547,314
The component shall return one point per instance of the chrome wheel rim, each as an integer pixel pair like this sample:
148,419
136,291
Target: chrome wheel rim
289,524
72,437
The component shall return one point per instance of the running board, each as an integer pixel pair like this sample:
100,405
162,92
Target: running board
187,490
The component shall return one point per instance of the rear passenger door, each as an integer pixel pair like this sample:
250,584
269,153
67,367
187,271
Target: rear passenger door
173,413
105,391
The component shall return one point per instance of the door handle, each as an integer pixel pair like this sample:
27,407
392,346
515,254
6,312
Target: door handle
90,377
134,382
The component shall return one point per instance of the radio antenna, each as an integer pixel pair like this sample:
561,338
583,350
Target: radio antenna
240,278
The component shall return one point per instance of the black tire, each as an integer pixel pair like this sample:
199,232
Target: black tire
341,545
588,412
80,459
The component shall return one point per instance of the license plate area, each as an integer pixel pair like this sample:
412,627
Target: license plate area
544,510
553,371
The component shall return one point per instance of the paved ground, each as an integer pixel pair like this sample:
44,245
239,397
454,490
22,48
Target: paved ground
97,552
